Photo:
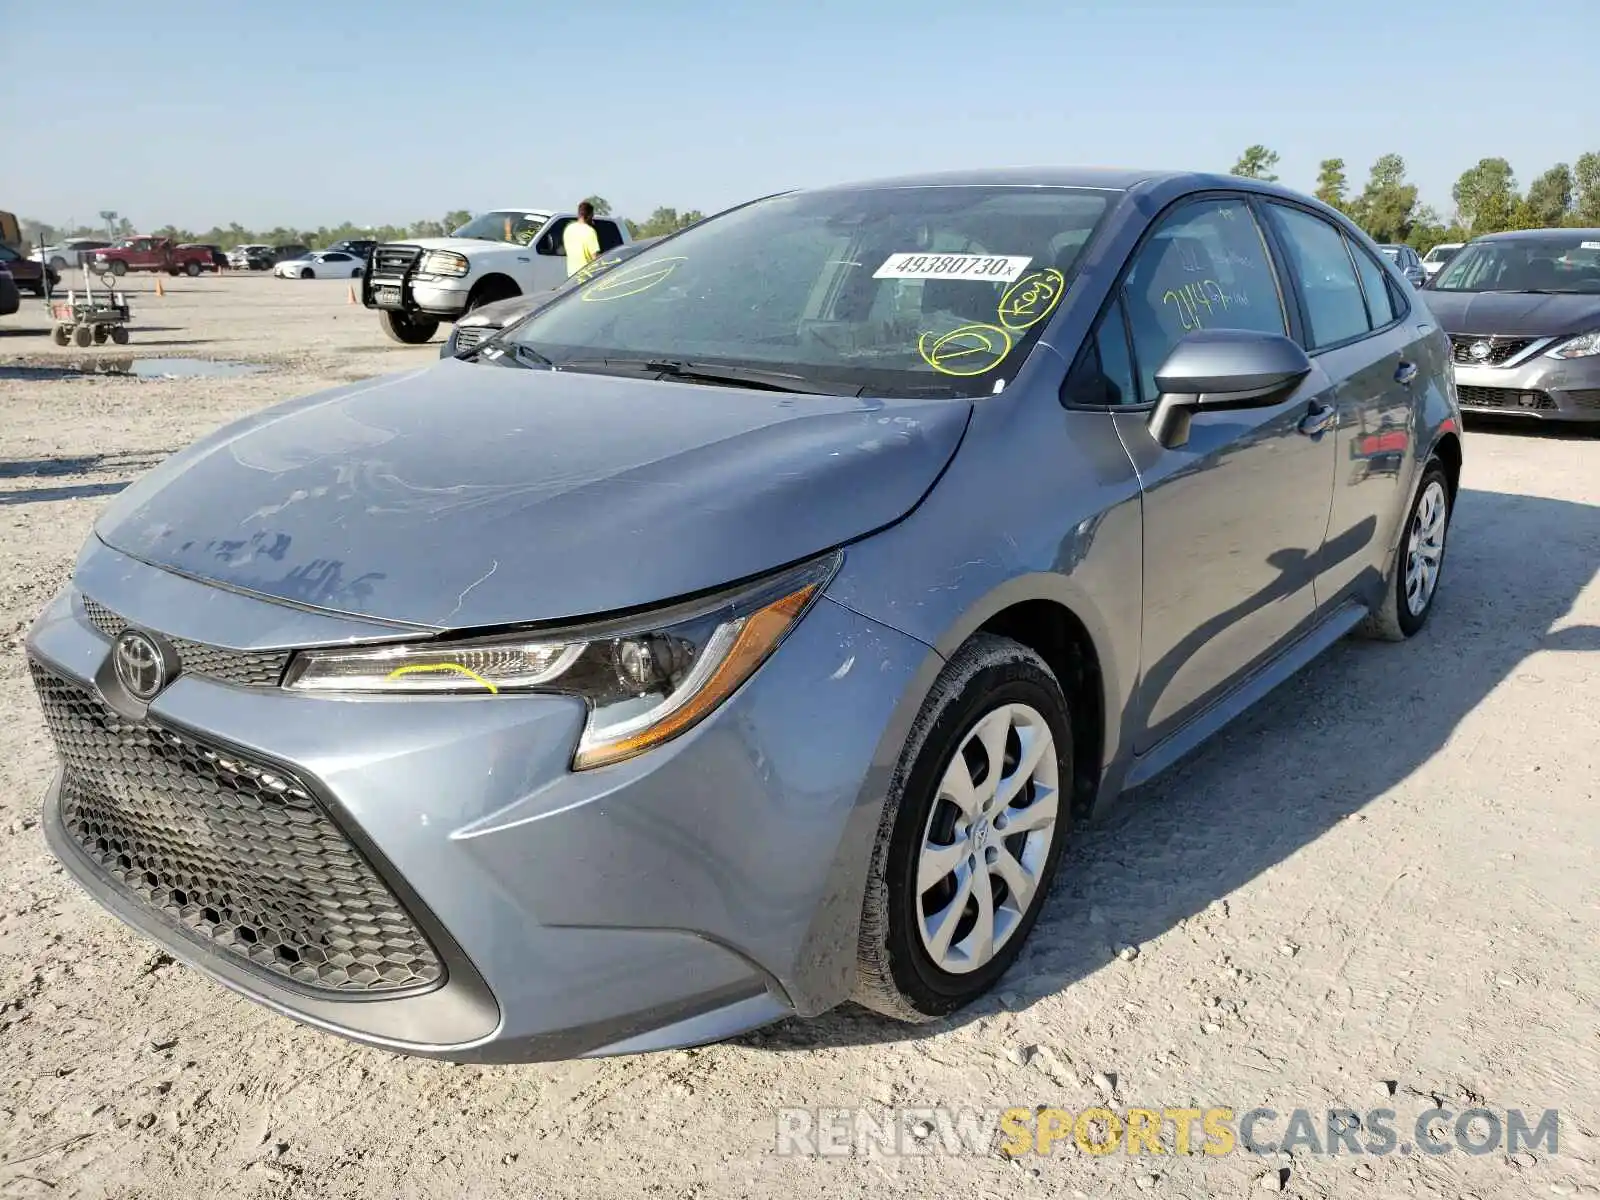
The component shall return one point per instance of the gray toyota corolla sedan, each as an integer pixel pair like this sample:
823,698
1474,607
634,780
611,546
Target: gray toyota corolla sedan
1523,313
747,630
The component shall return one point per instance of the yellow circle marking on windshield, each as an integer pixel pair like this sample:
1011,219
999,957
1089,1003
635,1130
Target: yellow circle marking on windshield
632,280
1031,299
434,668
966,350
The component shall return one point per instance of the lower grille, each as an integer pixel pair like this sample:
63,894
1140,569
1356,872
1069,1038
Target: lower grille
1487,397
1585,397
468,336
238,852
1501,349
242,668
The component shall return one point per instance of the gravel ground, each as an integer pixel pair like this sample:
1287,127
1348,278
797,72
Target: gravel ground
1379,890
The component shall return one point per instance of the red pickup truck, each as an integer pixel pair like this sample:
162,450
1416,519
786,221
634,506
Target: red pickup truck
151,254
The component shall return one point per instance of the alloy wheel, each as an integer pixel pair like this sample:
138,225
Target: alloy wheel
1425,551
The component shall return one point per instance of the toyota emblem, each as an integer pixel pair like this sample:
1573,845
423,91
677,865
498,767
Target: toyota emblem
1479,350
140,667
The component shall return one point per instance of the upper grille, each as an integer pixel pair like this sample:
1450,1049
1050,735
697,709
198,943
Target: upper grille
1501,349
468,336
394,259
238,852
242,668
1585,397
1487,397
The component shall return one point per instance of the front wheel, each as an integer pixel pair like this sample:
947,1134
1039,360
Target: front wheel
972,827
191,269
1419,561
308,273
406,329
119,268
82,335
61,335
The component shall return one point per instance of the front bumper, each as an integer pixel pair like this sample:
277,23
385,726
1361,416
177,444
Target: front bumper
1538,387
699,890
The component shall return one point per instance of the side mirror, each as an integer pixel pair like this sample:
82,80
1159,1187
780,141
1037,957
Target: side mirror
1223,369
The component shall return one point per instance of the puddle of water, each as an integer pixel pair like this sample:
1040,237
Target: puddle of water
139,368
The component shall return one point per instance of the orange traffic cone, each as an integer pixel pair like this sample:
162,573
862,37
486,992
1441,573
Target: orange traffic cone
352,299
160,291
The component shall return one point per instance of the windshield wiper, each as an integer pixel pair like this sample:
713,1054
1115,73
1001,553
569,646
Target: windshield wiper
692,372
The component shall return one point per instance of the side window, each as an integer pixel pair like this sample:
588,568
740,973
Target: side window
550,239
1334,308
1375,283
608,233
1104,372
1206,266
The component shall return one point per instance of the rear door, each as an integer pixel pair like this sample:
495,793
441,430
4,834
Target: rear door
1362,329
1234,519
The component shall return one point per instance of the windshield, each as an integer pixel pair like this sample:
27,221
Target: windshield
1542,264
504,225
911,290
1440,254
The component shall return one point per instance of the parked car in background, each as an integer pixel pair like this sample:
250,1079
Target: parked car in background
1522,310
417,285
145,253
1405,258
29,274
489,319
10,296
290,250
362,248
321,264
250,257
748,631
69,254
217,260
1434,260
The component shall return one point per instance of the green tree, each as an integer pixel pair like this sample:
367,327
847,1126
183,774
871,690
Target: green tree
664,221
1486,196
1386,208
456,218
1332,185
602,206
1586,189
1256,163
1548,202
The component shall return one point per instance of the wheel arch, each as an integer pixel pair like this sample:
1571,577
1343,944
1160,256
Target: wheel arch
494,286
1447,449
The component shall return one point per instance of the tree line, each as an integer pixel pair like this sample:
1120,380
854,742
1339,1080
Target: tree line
113,226
1487,199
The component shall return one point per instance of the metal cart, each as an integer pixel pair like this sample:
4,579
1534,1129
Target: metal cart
90,318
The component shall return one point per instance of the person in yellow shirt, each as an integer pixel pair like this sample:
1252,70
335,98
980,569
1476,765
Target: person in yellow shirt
580,240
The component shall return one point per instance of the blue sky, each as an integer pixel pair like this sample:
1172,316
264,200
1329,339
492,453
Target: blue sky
306,114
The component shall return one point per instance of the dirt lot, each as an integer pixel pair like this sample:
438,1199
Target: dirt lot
1379,890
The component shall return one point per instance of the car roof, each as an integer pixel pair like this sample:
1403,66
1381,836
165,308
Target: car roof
1538,235
1108,178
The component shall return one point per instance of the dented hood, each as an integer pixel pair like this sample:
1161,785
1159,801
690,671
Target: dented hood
467,495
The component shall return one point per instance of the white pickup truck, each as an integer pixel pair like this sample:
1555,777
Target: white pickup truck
418,284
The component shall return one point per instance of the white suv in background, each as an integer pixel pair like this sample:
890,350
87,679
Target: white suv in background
417,284
1434,260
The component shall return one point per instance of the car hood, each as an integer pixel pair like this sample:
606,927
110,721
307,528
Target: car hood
500,313
1528,314
468,246
469,495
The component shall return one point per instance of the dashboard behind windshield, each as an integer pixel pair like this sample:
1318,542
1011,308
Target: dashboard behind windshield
891,291
504,225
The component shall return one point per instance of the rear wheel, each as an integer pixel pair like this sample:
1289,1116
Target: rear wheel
82,336
118,267
971,831
61,335
191,268
99,335
119,335
406,329
1418,564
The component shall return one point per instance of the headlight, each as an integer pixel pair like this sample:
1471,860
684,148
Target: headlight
646,679
443,262
1581,346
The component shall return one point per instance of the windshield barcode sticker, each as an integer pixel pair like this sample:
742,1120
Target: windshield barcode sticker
986,268
1589,245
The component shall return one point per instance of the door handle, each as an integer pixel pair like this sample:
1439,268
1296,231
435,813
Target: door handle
1405,373
1319,419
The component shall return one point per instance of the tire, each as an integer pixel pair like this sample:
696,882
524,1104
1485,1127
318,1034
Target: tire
61,335
899,968
1400,617
191,268
82,335
100,335
356,274
118,267
58,264
406,329
119,334
308,273
37,288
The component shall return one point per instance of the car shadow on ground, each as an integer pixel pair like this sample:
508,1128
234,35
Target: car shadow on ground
1346,730
129,463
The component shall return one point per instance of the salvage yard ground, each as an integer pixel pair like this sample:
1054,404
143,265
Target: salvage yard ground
1378,890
